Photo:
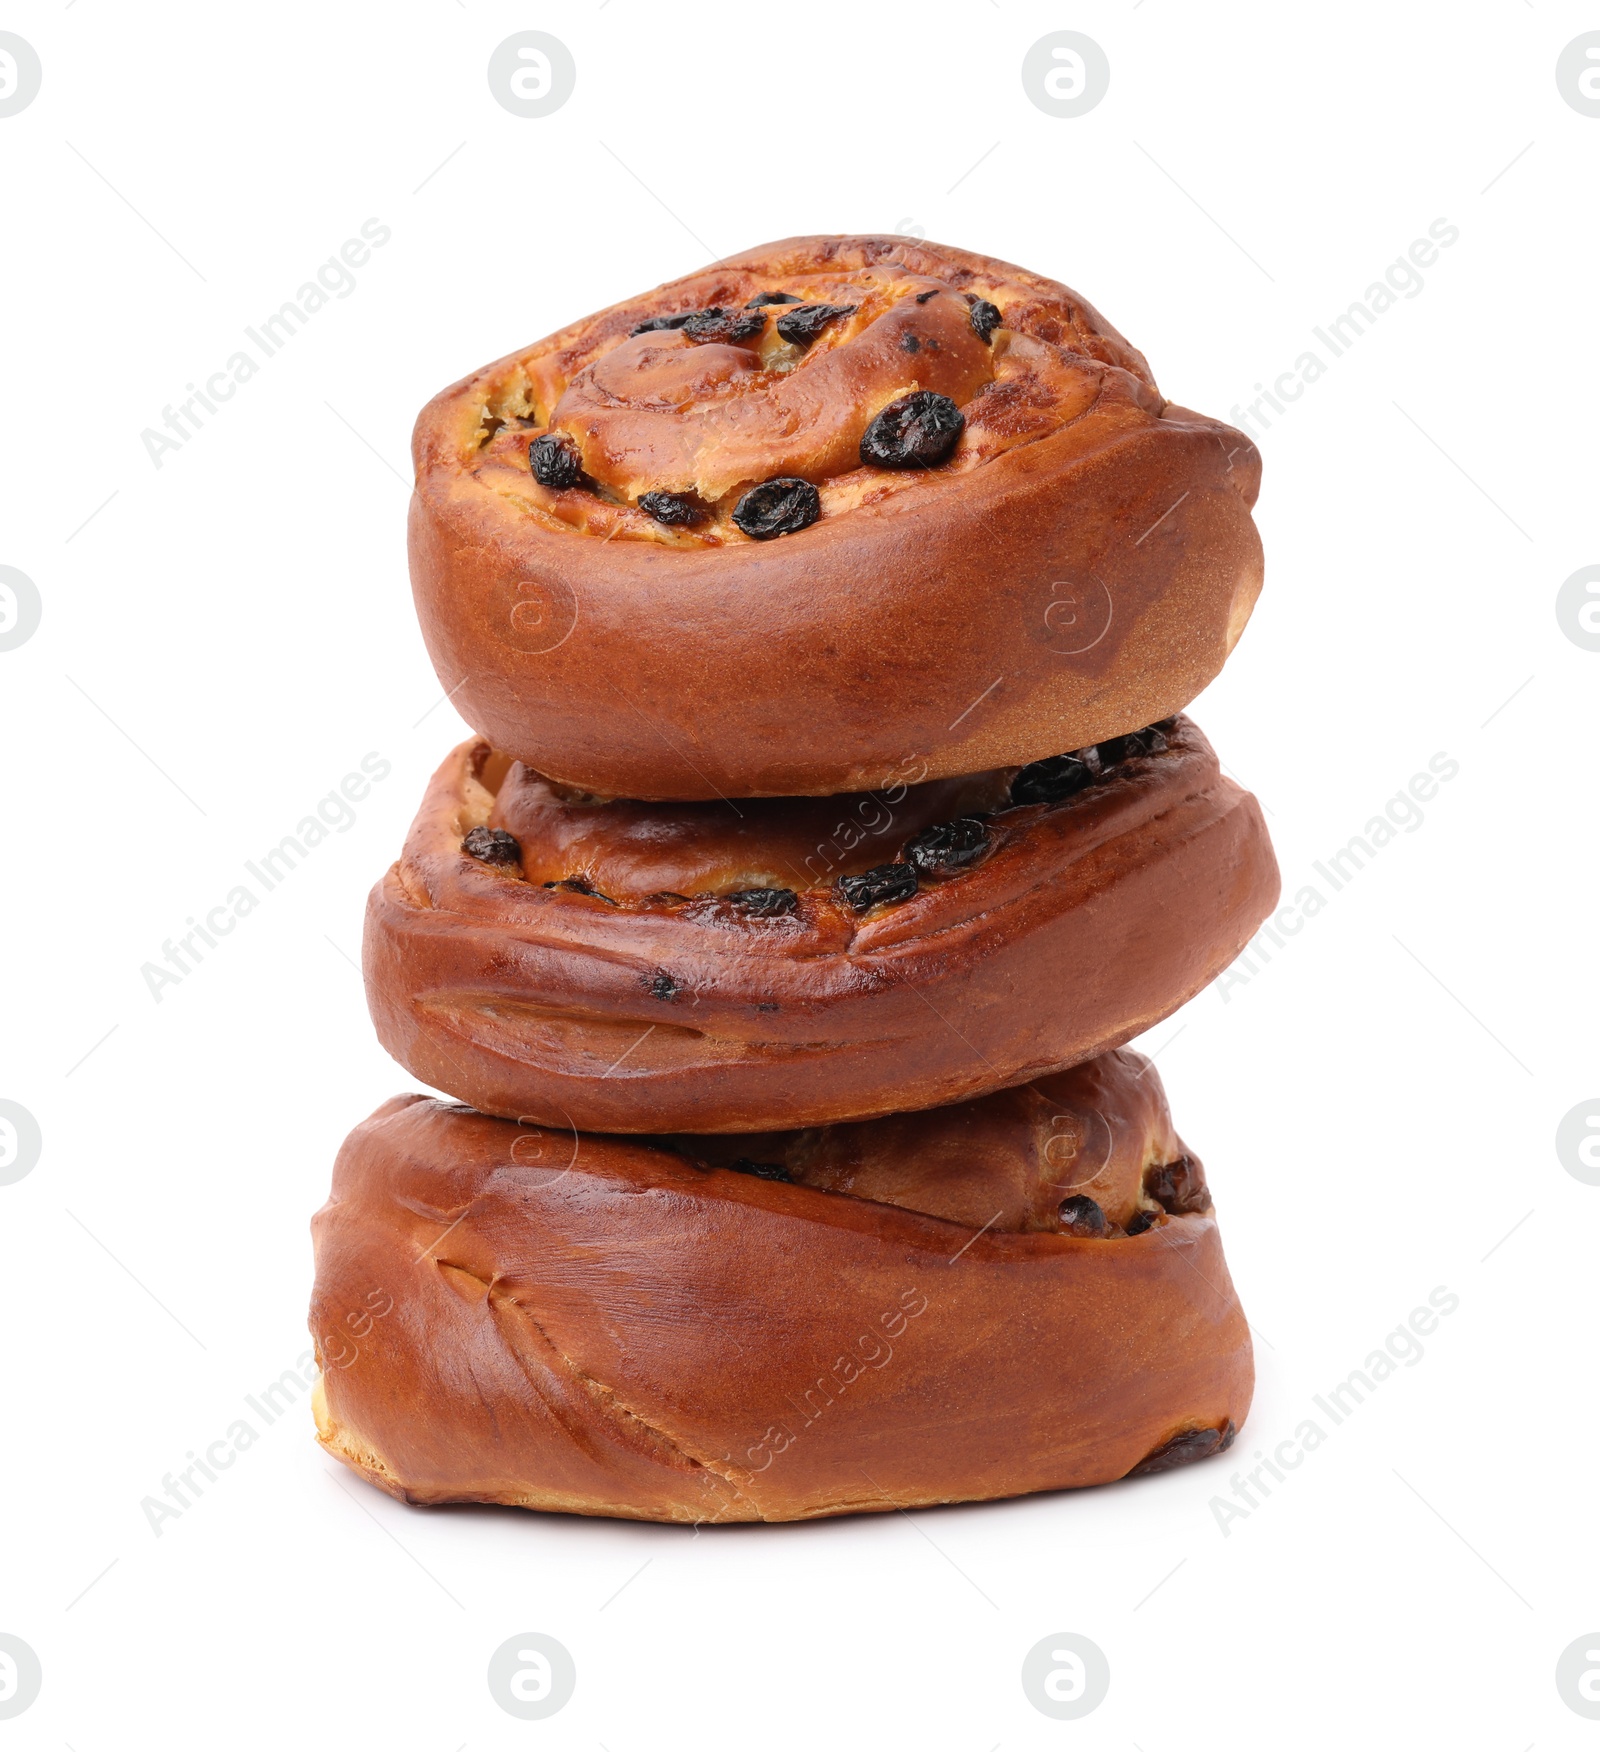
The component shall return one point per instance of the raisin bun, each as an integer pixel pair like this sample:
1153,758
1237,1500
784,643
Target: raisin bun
766,963
837,503
1020,1294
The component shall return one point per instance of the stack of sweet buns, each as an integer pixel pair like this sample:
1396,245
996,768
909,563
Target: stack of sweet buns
826,619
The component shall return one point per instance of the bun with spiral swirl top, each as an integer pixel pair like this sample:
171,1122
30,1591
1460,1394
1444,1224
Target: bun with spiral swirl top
833,506
714,967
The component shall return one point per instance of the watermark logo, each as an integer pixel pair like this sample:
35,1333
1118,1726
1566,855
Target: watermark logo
1402,1348
1403,813
1578,1676
532,74
20,74
1403,278
1065,1676
540,614
185,1485
20,1143
532,1676
1076,617
547,1151
20,608
1578,73
184,418
335,813
1578,1142
1578,608
1065,73
20,1675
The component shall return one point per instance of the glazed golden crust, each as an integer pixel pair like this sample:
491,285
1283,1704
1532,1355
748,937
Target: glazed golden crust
1086,923
1080,565
515,1316
1003,1162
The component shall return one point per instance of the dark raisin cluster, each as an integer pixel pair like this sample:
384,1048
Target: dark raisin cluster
944,850
878,886
1182,1450
1179,1187
555,461
916,431
713,323
778,507
1064,775
805,322
761,1170
673,507
717,324
763,903
1052,780
1081,1216
581,885
1151,740
492,845
949,847
984,317
654,323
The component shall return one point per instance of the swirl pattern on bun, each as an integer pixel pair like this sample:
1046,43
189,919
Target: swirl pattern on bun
836,503
711,967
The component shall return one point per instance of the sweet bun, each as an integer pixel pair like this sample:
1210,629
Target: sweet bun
1024,1293
721,967
835,505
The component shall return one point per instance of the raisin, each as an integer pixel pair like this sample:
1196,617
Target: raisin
872,888
909,343
663,322
555,461
717,324
953,845
771,298
1140,1221
492,845
805,322
761,1170
673,507
1132,746
581,885
1083,1217
1179,1187
932,292
917,431
1181,1450
1052,780
984,318
763,903
778,507
662,985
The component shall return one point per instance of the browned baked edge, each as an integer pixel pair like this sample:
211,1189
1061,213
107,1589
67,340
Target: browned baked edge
614,1330
1096,919
1070,588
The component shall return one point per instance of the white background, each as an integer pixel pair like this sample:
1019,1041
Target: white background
224,637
